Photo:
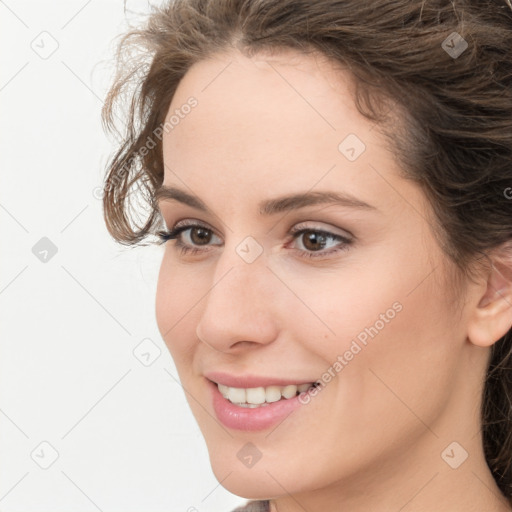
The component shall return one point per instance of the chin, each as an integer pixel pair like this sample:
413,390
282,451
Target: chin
263,481
250,486
247,482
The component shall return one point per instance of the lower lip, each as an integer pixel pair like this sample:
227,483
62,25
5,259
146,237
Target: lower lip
245,418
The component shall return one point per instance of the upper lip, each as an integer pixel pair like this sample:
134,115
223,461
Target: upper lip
251,381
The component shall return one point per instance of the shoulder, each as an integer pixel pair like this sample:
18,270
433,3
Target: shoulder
254,506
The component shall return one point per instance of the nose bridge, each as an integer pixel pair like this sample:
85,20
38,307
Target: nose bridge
240,305
242,266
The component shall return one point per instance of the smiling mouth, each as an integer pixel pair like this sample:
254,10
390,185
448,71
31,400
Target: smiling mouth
262,396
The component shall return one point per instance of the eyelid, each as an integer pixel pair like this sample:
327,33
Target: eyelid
182,226
295,232
301,226
346,239
190,222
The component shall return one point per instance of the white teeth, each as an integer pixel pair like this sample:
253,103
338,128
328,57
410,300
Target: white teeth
289,391
237,395
252,406
256,397
273,394
224,390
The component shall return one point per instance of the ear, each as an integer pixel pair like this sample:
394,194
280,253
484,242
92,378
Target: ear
492,317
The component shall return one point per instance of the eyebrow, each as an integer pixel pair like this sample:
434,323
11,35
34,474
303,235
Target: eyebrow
270,206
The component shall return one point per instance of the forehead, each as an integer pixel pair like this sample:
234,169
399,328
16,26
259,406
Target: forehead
280,122
265,93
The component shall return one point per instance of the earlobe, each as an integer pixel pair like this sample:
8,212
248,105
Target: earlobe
492,317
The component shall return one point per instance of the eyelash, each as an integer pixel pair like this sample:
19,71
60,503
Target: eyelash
296,232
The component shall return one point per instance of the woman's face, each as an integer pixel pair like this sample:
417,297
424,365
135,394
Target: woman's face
364,307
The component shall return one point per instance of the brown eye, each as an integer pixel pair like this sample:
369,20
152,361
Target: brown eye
200,236
313,240
318,243
189,237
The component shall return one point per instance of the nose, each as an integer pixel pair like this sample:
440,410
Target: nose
240,309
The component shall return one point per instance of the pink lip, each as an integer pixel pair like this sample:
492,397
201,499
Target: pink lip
242,418
251,381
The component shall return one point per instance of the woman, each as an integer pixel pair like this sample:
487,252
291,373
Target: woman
332,181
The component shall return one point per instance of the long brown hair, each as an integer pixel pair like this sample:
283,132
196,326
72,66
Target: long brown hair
444,66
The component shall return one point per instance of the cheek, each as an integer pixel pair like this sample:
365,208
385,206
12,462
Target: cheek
394,350
176,303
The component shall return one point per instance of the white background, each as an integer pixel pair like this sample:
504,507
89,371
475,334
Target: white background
123,431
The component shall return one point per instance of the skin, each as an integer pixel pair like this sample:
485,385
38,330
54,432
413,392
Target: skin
373,438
